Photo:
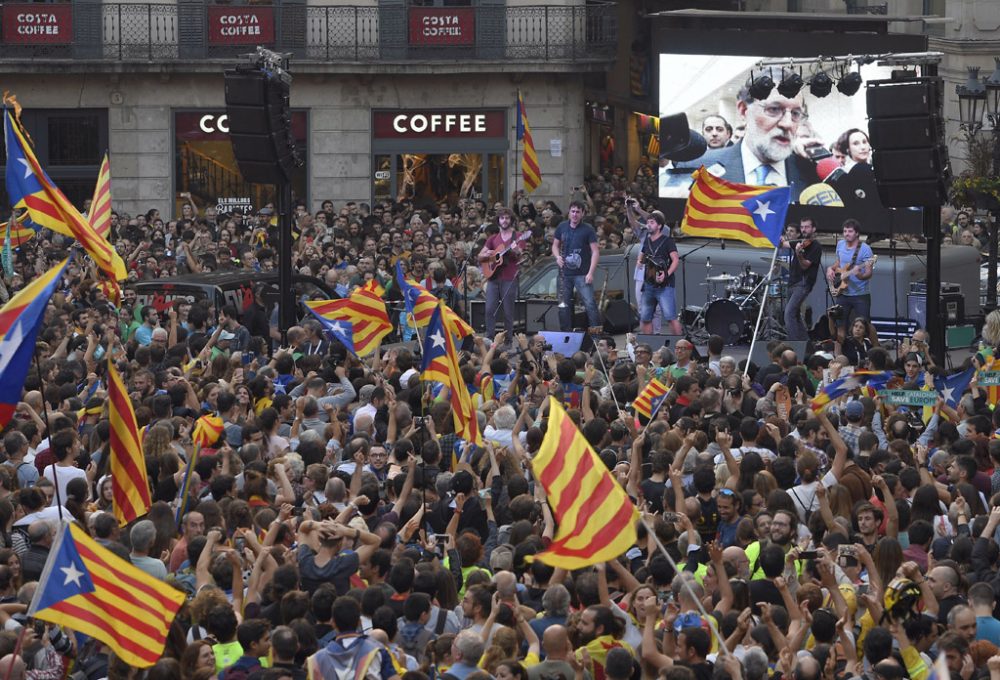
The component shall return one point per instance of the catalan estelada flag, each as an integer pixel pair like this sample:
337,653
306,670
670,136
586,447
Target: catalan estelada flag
87,588
650,398
421,303
720,209
129,484
364,310
530,172
834,391
595,516
339,330
20,320
440,364
100,206
29,187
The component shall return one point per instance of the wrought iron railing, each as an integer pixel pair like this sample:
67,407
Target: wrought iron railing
189,30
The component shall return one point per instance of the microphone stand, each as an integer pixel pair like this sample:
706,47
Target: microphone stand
683,260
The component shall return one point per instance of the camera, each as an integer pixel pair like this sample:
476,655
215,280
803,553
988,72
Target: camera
836,312
420,422
547,347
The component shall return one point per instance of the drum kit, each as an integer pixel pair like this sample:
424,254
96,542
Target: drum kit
734,303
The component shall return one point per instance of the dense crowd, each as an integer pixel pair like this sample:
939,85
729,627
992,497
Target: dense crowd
335,526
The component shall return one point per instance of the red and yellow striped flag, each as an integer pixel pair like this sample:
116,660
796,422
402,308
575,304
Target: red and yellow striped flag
650,397
530,172
595,516
100,206
129,484
365,311
440,364
20,232
48,207
715,210
87,588
373,286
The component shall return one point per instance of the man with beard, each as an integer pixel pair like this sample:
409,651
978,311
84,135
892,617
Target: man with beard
771,151
599,632
784,529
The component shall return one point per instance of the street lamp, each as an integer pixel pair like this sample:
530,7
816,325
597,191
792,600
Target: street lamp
971,101
973,97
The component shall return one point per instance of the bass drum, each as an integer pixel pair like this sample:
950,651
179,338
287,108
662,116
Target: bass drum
733,319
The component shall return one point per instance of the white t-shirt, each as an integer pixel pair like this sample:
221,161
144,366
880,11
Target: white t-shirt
64,475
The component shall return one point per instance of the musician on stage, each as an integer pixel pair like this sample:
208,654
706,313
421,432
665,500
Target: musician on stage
855,267
502,289
577,253
803,269
660,258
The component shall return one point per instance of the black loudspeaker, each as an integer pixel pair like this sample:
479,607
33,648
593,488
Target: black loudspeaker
620,317
257,104
478,310
760,356
952,307
542,314
906,127
657,341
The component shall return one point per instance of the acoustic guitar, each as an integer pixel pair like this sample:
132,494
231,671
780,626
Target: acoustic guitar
489,267
839,283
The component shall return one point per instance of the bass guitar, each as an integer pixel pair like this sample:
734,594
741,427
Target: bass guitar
489,267
839,283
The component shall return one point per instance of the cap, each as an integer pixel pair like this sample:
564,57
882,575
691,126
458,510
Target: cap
502,558
226,335
854,409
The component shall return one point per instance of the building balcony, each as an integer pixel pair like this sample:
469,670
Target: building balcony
190,31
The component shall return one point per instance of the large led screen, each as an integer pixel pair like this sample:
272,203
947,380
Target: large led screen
816,145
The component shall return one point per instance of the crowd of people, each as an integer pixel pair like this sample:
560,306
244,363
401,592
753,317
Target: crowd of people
335,526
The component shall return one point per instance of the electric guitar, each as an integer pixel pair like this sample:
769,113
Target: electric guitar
489,267
839,283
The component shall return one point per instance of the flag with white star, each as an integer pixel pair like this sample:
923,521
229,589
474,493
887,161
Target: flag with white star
337,329
717,208
439,363
86,588
20,320
768,211
28,186
951,387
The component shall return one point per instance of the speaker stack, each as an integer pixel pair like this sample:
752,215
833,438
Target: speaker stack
260,127
906,128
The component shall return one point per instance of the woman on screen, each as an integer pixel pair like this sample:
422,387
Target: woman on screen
855,147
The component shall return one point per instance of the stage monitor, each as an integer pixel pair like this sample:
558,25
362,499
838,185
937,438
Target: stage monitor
818,146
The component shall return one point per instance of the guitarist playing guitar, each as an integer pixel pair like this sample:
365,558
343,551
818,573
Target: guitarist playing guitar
499,262
854,266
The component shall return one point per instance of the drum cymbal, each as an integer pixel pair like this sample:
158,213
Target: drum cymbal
721,278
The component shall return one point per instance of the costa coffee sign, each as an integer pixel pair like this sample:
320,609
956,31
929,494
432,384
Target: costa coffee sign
240,25
442,26
430,123
39,24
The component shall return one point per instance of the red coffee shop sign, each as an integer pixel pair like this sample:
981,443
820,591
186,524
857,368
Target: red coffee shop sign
40,24
442,26
240,25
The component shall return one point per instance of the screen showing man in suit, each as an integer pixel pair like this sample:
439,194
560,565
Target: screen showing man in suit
818,146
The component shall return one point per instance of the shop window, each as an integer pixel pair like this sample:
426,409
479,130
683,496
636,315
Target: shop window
206,168
74,140
70,145
432,178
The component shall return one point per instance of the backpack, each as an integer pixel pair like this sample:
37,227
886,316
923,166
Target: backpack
808,511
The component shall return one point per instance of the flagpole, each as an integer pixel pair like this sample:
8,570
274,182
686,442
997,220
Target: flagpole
185,485
517,146
687,586
760,314
48,431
